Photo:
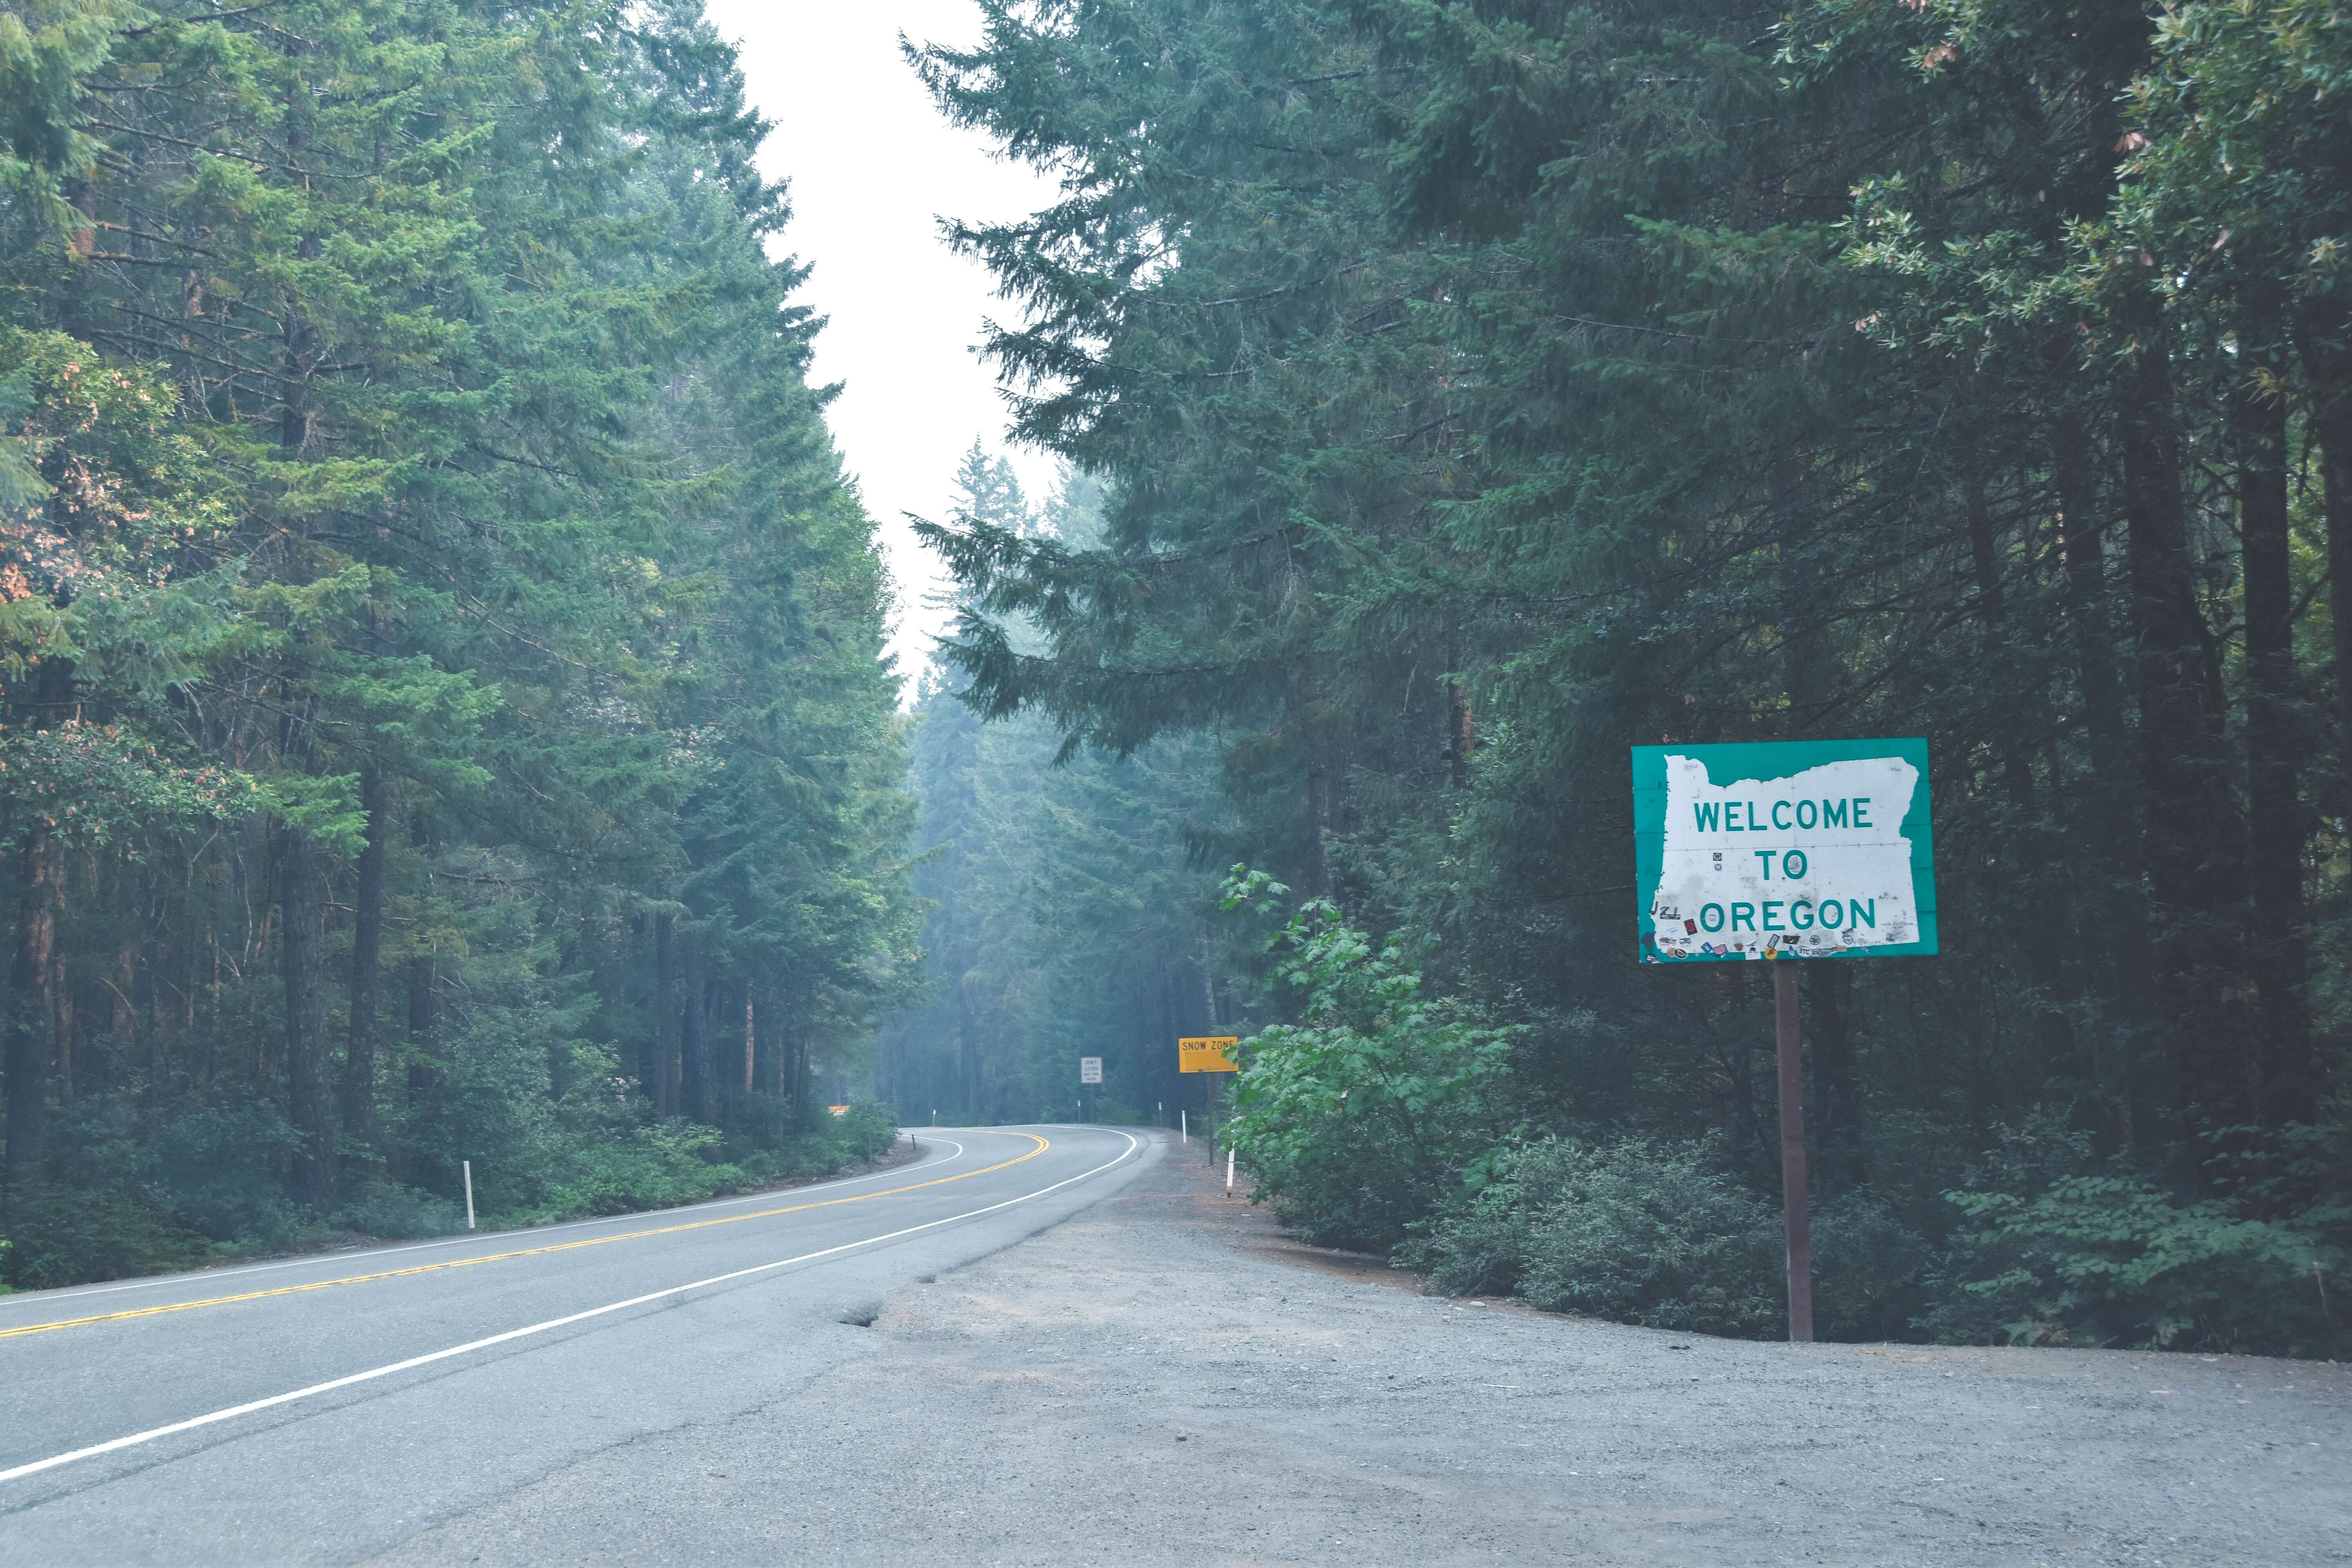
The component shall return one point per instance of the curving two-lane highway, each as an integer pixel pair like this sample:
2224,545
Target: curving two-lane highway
328,1408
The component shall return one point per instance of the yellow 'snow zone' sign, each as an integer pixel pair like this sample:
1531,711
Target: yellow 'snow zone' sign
1207,1053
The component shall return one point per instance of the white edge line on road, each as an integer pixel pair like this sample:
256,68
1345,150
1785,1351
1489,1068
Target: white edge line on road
205,1275
1133,1143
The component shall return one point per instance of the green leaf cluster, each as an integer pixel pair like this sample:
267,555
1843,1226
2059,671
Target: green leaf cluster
1479,389
1358,1116
442,686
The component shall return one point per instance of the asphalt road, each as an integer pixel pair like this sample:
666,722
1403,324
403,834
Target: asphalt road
1164,1378
327,1409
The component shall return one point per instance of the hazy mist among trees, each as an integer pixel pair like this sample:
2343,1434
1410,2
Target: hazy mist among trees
1479,389
446,716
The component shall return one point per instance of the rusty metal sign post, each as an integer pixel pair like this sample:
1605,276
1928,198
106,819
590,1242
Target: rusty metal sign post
1209,1054
1780,851
1796,1216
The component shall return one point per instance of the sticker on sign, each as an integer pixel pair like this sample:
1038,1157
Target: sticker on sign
1783,849
1091,1069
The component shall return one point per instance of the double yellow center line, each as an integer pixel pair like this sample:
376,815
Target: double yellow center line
520,1252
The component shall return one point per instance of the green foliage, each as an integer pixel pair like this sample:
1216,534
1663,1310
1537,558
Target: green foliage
95,785
1642,1232
1354,1118
1070,903
397,1212
867,1131
1666,1234
1480,390
2115,1260
672,1163
652,1167
443,708
46,47
1874,1267
215,1162
68,1234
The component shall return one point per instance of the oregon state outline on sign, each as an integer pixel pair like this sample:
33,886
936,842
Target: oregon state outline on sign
1783,849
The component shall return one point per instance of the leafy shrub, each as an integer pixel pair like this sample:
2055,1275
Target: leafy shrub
68,1234
621,1169
225,1165
1870,1270
2051,1245
1480,1241
2115,1260
653,1167
1641,1231
1648,1233
218,1164
867,1130
1657,1233
1356,1119
395,1213
128,1196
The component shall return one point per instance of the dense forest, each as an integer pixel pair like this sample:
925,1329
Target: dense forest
1071,907
446,714
446,717
1475,390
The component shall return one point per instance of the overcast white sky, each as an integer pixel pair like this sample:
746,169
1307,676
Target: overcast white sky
872,167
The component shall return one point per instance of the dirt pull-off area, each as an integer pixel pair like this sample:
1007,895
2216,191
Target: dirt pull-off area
1161,1380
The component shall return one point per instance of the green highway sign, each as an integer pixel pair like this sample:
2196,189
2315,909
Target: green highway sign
1783,849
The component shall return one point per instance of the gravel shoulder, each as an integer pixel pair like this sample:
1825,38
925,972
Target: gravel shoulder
1165,1378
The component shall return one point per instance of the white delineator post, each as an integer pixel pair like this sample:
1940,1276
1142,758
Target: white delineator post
1184,1126
469,1165
1229,1170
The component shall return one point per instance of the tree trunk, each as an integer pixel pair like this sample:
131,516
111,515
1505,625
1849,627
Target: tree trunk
37,1007
1984,553
804,1063
2194,850
968,1039
2134,1076
666,1016
1318,879
768,1075
367,954
648,1053
2194,863
2283,1088
1208,985
694,1036
59,994
422,979
31,1022
803,1032
122,1020
311,1100
1460,735
2054,1034
2327,367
